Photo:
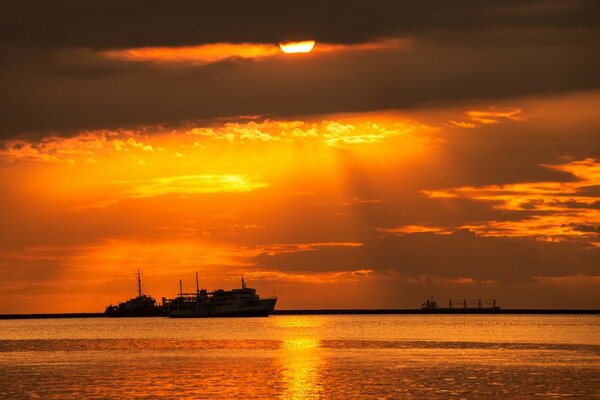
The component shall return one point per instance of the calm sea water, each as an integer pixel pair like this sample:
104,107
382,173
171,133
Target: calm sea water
338,357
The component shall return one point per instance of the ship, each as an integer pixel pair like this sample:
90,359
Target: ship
242,302
432,305
140,306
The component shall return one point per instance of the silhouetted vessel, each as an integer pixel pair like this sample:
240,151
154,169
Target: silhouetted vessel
242,302
140,306
432,305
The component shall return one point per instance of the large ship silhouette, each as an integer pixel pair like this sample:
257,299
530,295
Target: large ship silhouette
243,302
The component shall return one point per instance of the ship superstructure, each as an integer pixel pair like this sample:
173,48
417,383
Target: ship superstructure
140,306
243,302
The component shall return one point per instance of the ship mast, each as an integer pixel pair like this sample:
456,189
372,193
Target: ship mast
197,287
139,283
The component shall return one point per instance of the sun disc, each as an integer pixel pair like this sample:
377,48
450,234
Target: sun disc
297,47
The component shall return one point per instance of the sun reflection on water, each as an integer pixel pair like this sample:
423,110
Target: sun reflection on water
299,324
302,361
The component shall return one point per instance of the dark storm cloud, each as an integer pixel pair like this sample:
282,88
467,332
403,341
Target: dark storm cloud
79,90
133,23
461,254
586,228
579,205
55,80
590,190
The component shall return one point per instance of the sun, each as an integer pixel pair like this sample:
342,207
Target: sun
297,47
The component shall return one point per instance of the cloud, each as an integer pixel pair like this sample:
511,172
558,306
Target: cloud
190,184
96,24
344,131
520,177
461,253
210,53
549,204
586,228
202,54
60,81
493,116
487,117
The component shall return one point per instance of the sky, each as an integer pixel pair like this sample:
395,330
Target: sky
422,148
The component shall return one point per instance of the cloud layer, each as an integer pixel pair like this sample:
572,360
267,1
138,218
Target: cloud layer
58,75
114,24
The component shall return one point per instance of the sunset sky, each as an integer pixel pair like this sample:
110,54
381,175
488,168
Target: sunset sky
421,148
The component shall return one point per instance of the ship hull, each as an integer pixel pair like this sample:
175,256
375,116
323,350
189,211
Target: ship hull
262,309
239,314
488,310
136,313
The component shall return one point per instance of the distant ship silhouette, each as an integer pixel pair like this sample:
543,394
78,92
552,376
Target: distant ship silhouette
432,305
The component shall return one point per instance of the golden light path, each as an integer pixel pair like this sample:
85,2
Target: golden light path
302,356
305,46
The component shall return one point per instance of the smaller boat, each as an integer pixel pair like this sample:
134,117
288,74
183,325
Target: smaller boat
243,302
140,306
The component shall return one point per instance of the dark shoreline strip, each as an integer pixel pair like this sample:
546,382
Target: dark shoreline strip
456,311
47,316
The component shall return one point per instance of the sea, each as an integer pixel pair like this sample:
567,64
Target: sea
304,356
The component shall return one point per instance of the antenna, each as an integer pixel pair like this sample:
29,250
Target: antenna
139,283
197,287
243,283
180,288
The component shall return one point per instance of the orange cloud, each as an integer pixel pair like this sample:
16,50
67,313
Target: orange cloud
202,54
563,208
408,229
493,116
334,131
190,184
488,117
209,53
294,247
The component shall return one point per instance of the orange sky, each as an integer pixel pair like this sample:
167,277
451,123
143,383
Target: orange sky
246,196
454,156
